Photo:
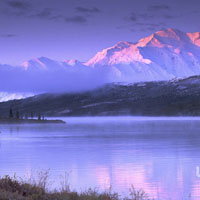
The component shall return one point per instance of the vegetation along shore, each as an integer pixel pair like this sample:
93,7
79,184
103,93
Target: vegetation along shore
17,118
17,189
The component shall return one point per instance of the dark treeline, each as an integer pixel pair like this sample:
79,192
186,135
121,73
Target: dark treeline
20,115
164,98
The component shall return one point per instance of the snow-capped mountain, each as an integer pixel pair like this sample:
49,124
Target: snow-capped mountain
163,55
47,65
43,64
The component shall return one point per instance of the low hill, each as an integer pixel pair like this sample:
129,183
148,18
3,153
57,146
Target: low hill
178,97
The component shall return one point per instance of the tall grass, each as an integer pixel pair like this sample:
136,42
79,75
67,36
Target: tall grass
13,188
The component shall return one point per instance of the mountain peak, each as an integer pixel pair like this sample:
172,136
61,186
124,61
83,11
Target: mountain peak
41,63
144,41
195,38
72,62
170,35
121,53
166,37
122,44
169,32
36,62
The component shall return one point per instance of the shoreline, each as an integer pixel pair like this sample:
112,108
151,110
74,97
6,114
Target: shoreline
30,121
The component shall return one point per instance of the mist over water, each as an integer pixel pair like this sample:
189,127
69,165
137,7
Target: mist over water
159,155
38,81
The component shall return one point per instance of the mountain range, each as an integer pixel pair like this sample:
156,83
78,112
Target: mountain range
164,55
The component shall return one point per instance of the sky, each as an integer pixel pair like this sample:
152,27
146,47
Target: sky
78,29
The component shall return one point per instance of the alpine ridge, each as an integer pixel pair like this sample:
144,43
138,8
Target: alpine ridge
164,55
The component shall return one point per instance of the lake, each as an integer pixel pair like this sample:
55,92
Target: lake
158,154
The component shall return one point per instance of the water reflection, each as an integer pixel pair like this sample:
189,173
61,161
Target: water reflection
158,155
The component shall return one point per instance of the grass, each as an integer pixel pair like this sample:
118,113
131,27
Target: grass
13,188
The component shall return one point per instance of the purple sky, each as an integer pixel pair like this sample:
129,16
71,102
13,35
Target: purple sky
78,29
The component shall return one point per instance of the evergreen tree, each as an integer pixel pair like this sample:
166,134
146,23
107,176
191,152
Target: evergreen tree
11,113
39,117
17,115
32,115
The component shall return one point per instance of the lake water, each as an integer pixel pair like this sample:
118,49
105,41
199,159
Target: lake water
159,155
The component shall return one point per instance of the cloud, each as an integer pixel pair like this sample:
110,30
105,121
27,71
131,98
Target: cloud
151,24
48,14
146,26
146,16
15,8
160,7
18,4
76,19
87,10
63,79
152,19
167,16
21,8
8,35
133,17
45,13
